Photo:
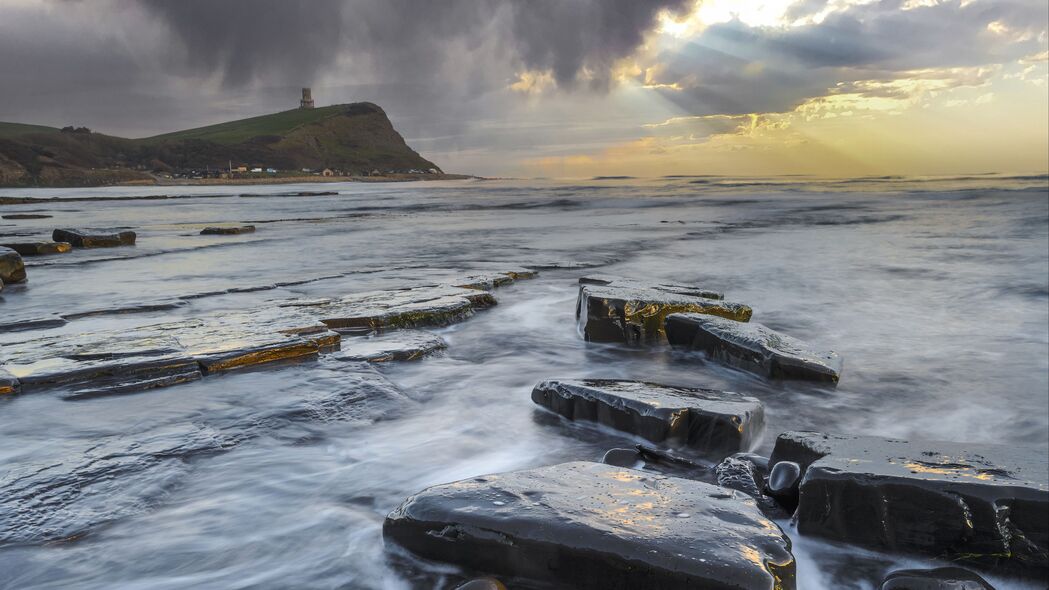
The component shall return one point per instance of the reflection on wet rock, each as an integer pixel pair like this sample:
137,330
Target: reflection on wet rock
39,248
397,345
984,504
590,525
482,584
714,423
227,230
611,309
942,578
83,239
752,347
12,269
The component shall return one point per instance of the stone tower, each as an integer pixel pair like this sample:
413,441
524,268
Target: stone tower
307,99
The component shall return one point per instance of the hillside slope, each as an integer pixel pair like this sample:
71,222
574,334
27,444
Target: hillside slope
353,138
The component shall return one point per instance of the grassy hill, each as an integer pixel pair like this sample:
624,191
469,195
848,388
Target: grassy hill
245,129
9,130
353,138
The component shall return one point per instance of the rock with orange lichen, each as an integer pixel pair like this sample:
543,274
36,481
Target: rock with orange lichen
706,421
611,309
595,526
987,505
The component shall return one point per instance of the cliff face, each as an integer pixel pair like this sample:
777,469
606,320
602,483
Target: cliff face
354,138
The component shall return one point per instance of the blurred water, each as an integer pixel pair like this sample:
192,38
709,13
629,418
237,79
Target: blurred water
936,292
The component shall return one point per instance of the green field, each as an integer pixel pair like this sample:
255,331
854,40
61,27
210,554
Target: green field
9,130
243,130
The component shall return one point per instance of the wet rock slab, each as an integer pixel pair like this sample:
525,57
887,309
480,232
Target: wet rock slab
610,309
86,239
12,269
706,421
491,280
227,230
433,305
398,345
590,525
752,347
26,216
983,504
39,248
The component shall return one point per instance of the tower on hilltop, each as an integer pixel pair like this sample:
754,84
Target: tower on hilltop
307,99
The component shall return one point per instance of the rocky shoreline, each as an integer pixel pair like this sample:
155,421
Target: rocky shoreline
645,516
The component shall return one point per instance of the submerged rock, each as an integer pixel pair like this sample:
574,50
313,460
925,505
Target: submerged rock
26,216
752,347
622,310
589,525
397,345
227,231
657,460
12,269
481,584
942,578
983,504
703,420
39,248
82,239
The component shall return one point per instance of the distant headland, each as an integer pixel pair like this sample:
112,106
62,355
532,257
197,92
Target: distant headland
353,141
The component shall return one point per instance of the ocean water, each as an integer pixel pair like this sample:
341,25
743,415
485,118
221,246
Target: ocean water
934,290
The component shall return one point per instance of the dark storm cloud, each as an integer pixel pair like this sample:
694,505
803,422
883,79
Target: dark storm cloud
288,40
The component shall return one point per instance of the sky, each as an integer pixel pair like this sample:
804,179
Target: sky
567,88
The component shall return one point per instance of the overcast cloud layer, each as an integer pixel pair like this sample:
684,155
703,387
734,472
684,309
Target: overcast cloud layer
464,78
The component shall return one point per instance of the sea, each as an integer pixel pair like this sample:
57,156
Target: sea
934,290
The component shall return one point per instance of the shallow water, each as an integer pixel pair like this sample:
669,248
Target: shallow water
936,292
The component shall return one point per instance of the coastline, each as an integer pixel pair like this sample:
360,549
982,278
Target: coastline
255,181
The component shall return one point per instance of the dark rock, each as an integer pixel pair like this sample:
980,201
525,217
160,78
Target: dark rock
987,505
620,310
482,584
752,347
26,216
702,420
8,383
227,231
38,324
943,578
83,239
739,472
589,525
121,384
12,269
629,458
39,248
397,345
783,483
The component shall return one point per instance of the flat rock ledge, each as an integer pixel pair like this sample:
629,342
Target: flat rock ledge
227,230
399,345
590,525
12,268
39,248
752,347
85,239
611,309
705,421
986,505
159,355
